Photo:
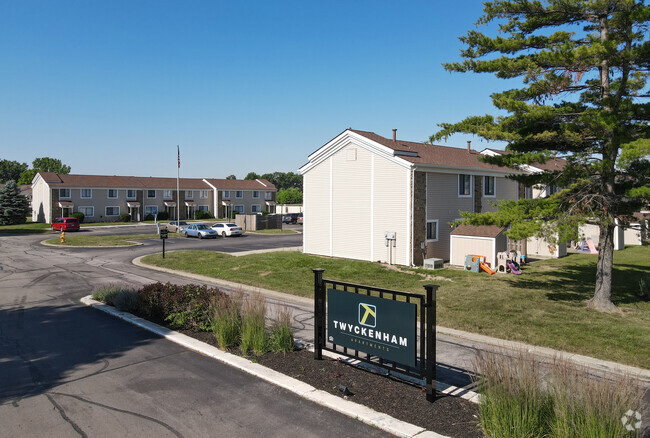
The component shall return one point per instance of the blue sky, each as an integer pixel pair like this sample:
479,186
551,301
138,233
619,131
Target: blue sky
111,87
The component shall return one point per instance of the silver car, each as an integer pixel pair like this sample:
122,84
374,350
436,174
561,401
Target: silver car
177,229
200,231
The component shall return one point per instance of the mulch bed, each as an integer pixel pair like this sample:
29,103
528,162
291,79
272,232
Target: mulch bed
448,415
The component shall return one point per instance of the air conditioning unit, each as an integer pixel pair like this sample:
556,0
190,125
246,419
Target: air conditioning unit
434,263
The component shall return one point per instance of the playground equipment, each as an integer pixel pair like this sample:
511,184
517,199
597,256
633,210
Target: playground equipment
587,246
509,261
475,263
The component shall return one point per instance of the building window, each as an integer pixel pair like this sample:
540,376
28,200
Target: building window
87,211
151,210
168,194
203,194
112,193
256,194
239,194
189,194
488,185
64,193
226,194
112,211
268,196
130,194
204,208
151,194
86,193
255,208
238,209
432,230
464,185
551,189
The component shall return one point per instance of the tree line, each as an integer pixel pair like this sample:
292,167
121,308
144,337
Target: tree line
289,185
22,174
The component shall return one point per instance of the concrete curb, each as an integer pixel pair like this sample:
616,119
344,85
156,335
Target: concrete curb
346,407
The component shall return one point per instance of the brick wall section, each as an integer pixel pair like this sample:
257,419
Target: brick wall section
478,193
419,216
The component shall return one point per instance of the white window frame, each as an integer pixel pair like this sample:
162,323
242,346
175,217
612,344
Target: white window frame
81,194
268,196
108,194
226,194
433,221
203,194
462,195
168,194
239,194
189,194
203,208
63,196
92,209
135,194
494,187
256,208
238,208
111,206
256,194
154,194
149,207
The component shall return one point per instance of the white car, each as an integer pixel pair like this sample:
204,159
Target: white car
227,229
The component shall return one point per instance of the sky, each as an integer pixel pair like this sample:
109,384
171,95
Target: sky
112,87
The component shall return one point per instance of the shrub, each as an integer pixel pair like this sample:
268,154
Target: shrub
108,292
79,215
163,216
125,217
200,214
233,215
183,306
227,319
281,338
253,325
149,217
126,300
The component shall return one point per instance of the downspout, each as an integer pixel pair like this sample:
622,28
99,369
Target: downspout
412,213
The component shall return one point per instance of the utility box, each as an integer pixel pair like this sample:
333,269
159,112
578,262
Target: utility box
434,263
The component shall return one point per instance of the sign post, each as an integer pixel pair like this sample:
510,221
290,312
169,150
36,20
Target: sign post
163,236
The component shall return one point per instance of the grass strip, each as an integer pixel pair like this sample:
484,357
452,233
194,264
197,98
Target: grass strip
545,306
108,241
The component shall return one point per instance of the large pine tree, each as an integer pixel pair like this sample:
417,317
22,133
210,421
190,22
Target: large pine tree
581,67
14,207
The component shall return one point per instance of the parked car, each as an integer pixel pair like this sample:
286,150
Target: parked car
227,229
200,231
299,221
65,224
177,229
290,218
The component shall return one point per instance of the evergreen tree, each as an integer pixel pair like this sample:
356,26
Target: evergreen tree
14,207
582,67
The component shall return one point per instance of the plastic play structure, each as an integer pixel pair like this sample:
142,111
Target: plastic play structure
475,263
507,262
587,246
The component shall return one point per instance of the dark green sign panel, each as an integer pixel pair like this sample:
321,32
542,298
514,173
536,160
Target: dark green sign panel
378,326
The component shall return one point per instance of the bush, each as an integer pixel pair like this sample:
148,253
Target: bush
183,306
125,217
126,300
108,292
163,216
281,338
265,212
80,216
233,215
253,325
200,214
227,320
149,217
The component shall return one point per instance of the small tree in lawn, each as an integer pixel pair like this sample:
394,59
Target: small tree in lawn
14,207
583,68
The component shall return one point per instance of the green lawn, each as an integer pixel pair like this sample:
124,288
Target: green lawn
27,228
545,306
72,239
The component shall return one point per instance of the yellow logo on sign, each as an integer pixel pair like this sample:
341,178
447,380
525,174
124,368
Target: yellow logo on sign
369,317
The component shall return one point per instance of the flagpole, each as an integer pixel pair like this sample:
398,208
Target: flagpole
178,190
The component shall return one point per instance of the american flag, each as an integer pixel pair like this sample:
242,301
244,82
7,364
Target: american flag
179,156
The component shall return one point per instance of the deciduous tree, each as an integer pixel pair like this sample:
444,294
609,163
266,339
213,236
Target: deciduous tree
581,67
11,170
43,164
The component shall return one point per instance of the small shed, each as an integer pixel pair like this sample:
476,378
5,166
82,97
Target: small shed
484,240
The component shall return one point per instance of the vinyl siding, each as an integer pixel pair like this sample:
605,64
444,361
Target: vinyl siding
444,204
41,202
504,189
463,246
316,202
